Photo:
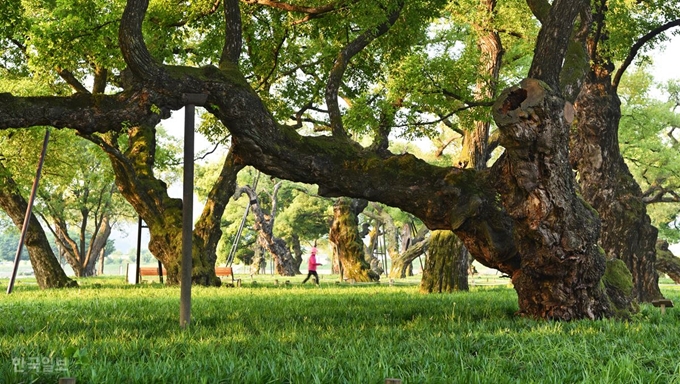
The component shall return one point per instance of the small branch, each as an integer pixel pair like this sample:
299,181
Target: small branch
636,47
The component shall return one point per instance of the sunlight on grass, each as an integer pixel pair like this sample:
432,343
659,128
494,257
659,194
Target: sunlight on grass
110,332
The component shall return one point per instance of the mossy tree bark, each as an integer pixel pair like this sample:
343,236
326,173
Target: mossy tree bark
48,271
347,244
607,184
446,265
667,262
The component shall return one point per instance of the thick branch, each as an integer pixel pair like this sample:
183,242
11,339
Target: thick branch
553,39
296,8
233,35
131,42
84,112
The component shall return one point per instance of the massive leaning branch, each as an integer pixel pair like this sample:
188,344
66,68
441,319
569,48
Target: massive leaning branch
84,112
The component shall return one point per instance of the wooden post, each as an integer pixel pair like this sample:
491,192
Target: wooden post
67,380
392,381
191,100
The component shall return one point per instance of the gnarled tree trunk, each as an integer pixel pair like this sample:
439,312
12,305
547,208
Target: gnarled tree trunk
347,245
264,225
148,195
555,231
401,263
607,184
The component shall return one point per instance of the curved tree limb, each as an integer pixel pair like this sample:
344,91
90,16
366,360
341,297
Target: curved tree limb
636,47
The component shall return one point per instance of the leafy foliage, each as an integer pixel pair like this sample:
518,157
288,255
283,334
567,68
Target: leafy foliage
649,141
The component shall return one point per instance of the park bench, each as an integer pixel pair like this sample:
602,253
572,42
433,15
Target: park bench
225,272
219,271
150,271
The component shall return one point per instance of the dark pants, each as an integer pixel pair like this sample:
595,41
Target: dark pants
310,274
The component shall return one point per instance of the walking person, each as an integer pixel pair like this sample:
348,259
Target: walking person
311,266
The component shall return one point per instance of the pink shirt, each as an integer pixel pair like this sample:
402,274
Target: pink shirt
311,265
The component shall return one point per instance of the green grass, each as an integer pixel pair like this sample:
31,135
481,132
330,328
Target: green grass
110,332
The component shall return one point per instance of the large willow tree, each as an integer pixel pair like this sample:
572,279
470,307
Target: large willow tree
276,68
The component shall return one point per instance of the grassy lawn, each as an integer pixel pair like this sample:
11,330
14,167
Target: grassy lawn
111,332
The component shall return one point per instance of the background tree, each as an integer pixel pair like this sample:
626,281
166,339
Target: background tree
604,178
264,225
80,204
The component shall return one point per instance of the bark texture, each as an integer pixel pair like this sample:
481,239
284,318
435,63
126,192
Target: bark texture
555,230
607,184
347,245
446,264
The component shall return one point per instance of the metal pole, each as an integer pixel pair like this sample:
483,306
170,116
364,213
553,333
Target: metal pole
190,100
29,209
187,216
139,249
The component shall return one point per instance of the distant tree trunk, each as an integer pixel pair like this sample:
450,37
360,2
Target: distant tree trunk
48,271
607,184
667,262
371,248
264,225
444,269
384,227
297,253
402,263
258,260
101,261
344,235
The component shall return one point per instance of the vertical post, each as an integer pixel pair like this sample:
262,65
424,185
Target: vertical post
190,101
160,271
27,217
187,216
139,249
